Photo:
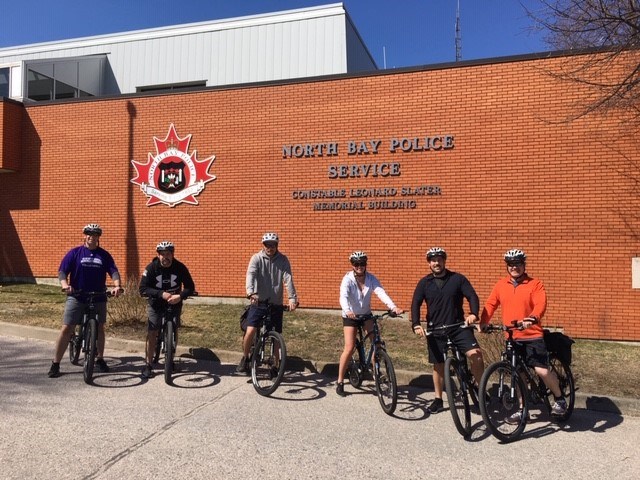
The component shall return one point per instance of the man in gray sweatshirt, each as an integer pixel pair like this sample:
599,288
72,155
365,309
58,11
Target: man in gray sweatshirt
268,272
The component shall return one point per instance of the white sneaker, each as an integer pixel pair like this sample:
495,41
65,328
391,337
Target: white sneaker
516,418
559,408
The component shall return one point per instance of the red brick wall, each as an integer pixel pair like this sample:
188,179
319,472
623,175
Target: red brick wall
518,176
11,115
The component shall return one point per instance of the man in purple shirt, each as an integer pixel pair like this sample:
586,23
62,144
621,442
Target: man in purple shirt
84,269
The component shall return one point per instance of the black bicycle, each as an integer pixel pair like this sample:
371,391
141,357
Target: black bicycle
268,353
509,388
167,339
384,374
85,336
458,380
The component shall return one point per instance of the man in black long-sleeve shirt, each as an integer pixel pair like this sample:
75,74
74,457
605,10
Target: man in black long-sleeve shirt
444,292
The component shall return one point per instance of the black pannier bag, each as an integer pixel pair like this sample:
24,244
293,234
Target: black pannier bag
559,344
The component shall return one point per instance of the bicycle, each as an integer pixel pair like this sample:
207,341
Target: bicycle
458,380
509,385
85,335
384,374
167,339
268,353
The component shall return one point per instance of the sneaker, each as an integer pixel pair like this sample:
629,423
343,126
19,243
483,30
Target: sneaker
54,371
243,366
340,389
516,418
102,365
436,406
559,408
147,371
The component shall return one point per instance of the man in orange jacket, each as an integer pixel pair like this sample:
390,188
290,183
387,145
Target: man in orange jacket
524,299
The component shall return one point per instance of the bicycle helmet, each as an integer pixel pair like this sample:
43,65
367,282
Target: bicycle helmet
515,256
165,246
270,237
92,229
358,256
436,252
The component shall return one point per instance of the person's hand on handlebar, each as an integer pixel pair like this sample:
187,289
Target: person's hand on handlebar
117,291
397,311
351,315
67,289
171,298
528,321
418,330
293,304
472,319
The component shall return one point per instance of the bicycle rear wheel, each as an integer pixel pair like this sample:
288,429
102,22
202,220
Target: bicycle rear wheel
169,350
90,347
268,363
503,402
75,344
158,348
567,387
456,386
385,378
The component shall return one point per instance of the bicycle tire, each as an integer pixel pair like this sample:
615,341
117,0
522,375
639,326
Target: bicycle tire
91,340
497,405
268,363
567,387
355,375
75,345
456,387
169,351
386,384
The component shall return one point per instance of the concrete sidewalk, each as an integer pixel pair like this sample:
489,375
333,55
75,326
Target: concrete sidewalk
622,406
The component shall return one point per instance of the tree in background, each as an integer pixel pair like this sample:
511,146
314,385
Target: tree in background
606,33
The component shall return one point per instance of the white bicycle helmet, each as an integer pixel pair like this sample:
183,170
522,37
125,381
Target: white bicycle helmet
92,229
436,252
165,246
515,256
270,237
358,256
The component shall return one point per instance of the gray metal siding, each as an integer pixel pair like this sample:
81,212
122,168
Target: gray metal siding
300,43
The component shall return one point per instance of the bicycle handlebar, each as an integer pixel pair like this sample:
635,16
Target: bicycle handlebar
435,330
515,325
371,316
88,293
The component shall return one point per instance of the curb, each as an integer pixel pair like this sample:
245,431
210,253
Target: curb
616,405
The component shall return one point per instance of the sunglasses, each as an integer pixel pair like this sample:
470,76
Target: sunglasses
515,265
360,264
270,244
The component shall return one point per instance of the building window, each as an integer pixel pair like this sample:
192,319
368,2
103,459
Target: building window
65,78
4,82
172,86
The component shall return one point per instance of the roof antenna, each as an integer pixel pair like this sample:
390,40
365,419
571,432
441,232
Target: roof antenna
458,35
384,57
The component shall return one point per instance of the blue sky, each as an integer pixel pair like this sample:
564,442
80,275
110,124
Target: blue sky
399,33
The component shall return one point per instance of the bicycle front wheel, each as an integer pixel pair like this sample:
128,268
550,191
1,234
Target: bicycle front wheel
169,350
567,387
456,386
75,345
385,378
90,347
268,363
503,403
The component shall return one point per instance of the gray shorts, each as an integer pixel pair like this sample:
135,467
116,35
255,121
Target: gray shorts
155,316
73,311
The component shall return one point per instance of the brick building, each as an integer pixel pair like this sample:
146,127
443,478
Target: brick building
474,157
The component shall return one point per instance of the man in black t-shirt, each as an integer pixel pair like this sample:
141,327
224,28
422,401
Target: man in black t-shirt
444,292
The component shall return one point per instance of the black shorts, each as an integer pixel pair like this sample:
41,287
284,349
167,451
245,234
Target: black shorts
257,313
463,339
535,352
155,316
354,322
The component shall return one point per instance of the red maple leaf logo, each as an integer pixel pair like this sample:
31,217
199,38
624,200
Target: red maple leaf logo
188,175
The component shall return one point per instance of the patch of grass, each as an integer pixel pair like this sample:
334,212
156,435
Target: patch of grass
316,336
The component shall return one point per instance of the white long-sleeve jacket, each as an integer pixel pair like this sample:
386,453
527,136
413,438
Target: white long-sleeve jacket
352,299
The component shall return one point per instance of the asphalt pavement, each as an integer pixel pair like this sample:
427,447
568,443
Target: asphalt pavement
213,425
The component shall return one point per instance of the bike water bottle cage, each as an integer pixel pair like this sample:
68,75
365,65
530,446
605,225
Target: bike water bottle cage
165,247
436,252
515,256
92,229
